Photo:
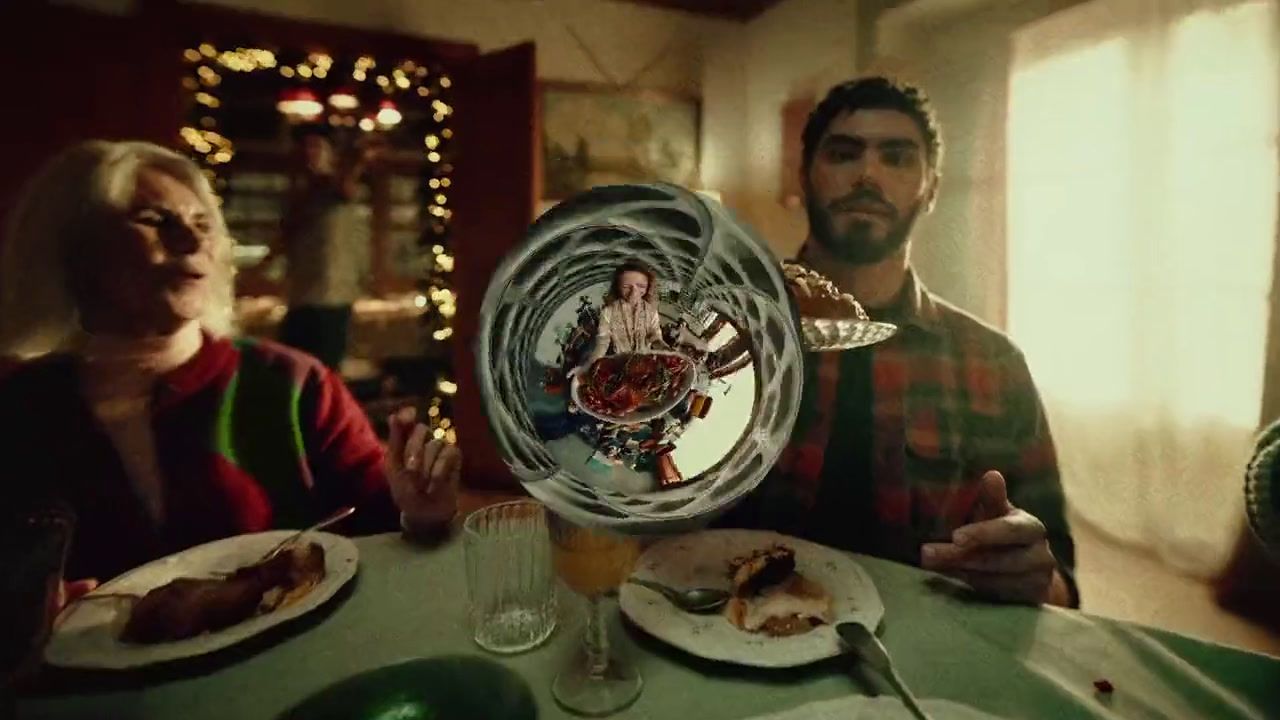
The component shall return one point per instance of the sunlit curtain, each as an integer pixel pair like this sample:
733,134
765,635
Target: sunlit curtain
1142,185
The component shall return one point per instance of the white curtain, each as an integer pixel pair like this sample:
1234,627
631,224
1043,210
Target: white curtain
1142,186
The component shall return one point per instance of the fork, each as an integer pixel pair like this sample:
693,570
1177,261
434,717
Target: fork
341,514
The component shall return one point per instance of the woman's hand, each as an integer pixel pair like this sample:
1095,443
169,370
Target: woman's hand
28,664
423,473
69,592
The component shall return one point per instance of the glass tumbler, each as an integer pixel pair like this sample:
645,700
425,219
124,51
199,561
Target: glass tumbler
510,579
33,549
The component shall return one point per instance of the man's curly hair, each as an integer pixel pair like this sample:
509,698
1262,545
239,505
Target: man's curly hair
874,93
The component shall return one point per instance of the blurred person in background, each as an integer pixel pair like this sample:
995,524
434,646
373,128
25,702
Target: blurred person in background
326,240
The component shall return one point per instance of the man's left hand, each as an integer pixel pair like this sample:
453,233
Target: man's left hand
1004,554
423,473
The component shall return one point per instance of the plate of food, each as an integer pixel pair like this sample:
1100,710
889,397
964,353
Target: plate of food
830,319
200,600
633,387
787,595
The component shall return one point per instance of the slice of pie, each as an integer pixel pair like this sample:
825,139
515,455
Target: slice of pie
770,597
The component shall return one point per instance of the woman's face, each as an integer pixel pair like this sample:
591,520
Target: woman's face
151,269
632,286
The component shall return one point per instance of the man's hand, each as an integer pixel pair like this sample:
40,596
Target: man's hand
423,473
1004,554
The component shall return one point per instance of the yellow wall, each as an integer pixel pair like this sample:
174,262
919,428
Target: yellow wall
797,49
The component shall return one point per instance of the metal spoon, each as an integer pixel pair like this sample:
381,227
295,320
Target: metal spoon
694,600
341,514
869,648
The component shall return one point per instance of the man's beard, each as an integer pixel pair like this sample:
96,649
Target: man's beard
858,243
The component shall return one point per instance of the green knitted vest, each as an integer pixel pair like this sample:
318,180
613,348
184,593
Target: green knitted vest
258,429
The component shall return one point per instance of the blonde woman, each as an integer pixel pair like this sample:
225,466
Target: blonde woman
134,407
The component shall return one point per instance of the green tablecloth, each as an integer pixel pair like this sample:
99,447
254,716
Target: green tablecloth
409,601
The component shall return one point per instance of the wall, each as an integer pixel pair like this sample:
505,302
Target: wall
796,49
744,72
649,47
958,52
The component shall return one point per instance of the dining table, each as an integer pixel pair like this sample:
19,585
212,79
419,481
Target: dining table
410,601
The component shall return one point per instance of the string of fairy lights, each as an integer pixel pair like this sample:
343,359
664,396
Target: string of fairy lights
362,95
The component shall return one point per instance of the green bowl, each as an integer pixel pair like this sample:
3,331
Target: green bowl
440,688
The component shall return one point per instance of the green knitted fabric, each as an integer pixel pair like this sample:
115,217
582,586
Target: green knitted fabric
259,431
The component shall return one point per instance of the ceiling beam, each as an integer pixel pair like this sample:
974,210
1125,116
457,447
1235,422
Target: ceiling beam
740,10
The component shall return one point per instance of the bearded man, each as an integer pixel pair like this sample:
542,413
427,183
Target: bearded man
931,448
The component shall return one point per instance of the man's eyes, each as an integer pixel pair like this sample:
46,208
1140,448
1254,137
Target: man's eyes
843,154
898,157
893,157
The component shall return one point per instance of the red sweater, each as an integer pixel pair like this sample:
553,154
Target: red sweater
249,436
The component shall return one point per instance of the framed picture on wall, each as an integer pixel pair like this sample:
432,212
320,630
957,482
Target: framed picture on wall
598,135
795,114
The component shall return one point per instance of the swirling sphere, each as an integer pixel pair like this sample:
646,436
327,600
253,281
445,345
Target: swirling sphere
714,263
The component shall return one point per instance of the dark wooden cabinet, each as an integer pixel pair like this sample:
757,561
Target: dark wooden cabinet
498,162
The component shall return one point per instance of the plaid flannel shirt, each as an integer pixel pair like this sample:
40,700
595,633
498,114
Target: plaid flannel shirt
948,399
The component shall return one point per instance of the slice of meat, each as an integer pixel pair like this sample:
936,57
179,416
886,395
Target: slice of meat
291,567
187,607
290,575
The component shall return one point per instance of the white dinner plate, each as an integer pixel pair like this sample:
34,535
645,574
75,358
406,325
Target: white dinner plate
87,633
702,560
825,335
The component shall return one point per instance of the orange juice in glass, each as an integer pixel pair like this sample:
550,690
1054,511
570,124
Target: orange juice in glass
593,563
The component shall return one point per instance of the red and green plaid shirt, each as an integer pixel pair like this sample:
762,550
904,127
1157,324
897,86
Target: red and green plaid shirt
892,440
